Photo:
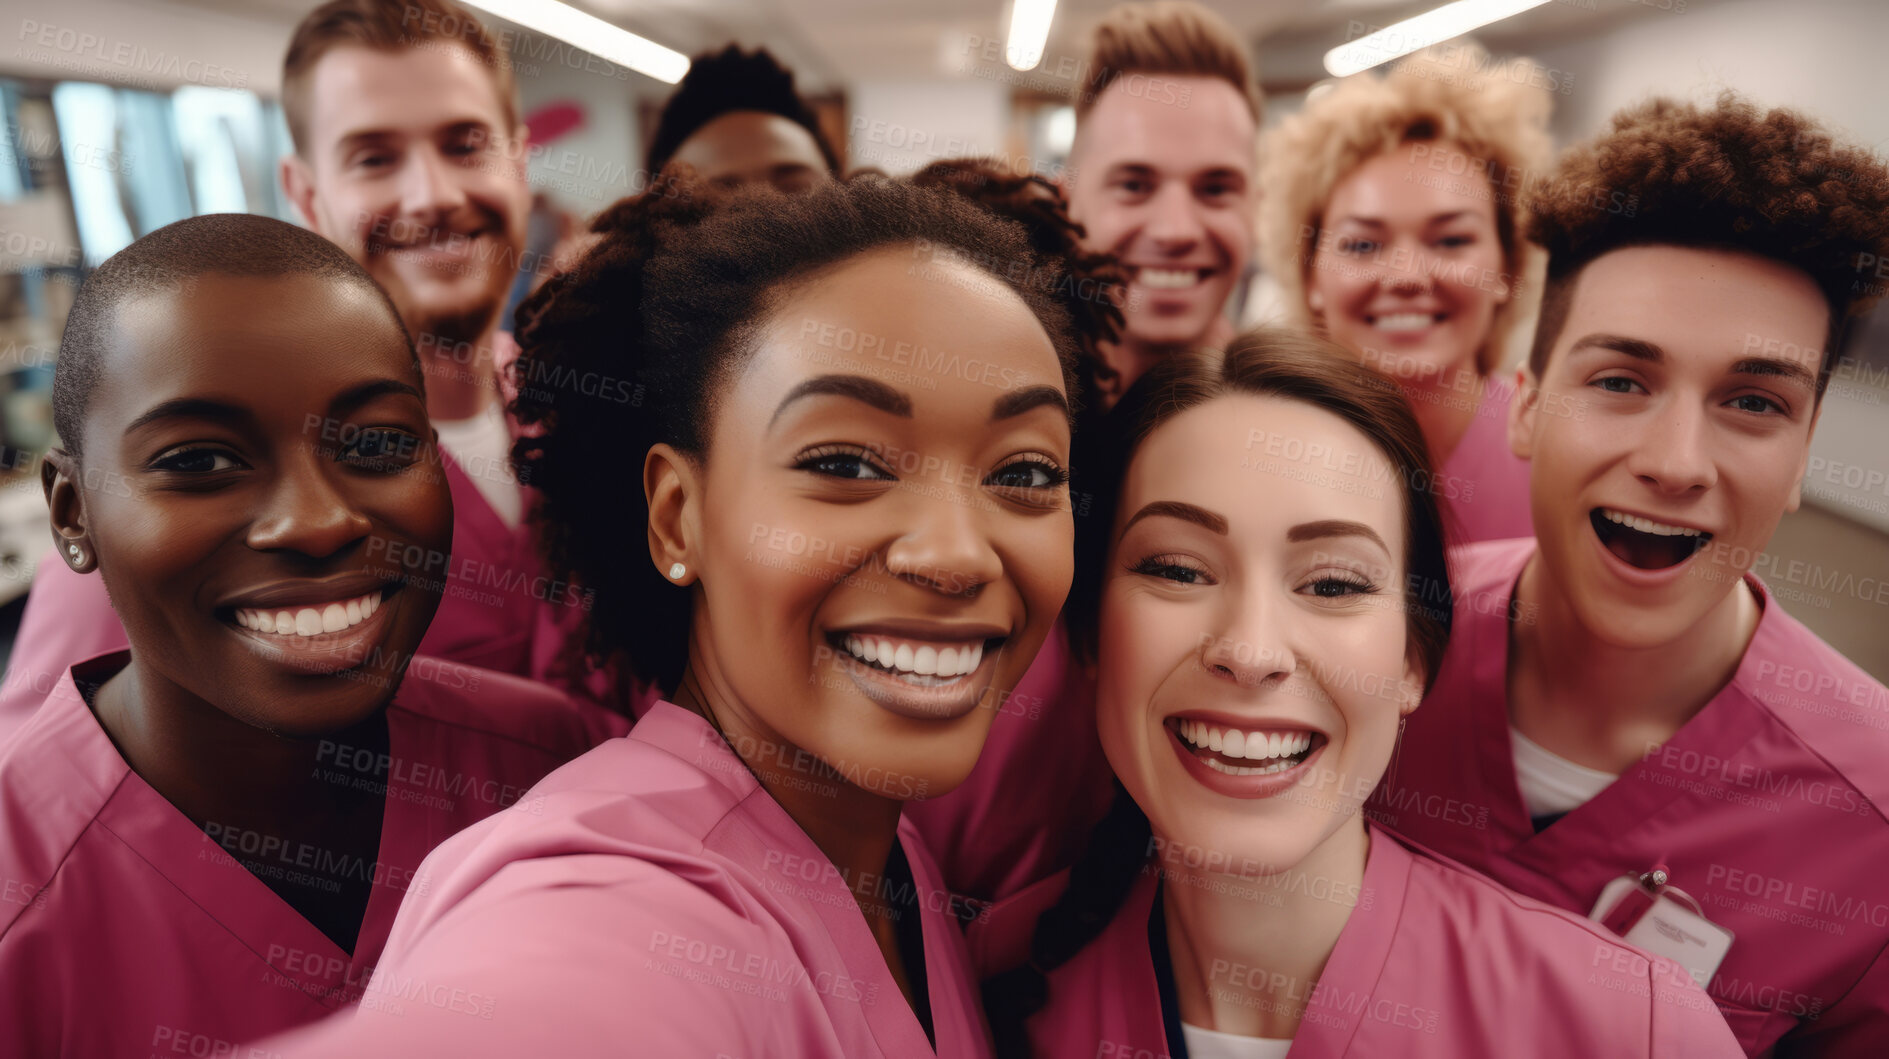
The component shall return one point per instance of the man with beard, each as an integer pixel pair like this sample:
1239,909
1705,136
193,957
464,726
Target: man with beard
409,155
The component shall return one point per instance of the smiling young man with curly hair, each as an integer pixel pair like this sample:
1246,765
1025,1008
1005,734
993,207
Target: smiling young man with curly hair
1621,695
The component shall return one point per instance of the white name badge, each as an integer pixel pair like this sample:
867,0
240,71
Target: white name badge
1670,924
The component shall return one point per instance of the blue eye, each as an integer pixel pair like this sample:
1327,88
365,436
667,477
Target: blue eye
1615,384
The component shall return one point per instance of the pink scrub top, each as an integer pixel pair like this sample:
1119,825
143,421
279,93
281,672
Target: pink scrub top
1040,785
1767,807
1483,486
1434,961
501,611
125,930
661,904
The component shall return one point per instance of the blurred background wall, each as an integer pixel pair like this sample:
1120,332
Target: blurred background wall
120,117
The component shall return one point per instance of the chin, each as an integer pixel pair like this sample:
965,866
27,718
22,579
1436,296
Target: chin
1169,330
1621,623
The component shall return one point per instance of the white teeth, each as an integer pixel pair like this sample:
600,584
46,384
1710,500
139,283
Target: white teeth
1253,746
1647,525
1404,322
311,621
925,660
1242,770
1168,278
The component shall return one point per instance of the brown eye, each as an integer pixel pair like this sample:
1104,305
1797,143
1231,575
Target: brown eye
382,449
843,462
196,461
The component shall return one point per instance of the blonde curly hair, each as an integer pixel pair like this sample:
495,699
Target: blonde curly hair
1496,112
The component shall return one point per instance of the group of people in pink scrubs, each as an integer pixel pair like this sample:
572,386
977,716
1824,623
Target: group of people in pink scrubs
1008,657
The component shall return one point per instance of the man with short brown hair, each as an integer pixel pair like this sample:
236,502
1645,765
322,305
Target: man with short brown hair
1163,174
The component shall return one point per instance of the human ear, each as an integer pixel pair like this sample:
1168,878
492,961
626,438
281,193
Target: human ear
672,487
1523,411
298,183
60,477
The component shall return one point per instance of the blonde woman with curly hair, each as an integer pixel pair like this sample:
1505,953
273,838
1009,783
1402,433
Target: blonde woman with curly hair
1393,220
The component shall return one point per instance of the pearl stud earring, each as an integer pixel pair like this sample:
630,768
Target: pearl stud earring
676,570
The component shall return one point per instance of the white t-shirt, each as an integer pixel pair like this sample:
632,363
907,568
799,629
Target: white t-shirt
1212,1044
1550,783
482,445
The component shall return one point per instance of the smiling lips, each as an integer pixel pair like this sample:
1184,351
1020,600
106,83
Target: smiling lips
1645,543
920,678
1169,279
310,619
1222,748
911,660
1404,323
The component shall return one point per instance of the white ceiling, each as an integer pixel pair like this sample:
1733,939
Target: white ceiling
831,43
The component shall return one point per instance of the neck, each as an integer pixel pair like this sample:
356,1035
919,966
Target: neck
218,770
461,378
1603,705
855,828
1247,955
1445,405
1131,357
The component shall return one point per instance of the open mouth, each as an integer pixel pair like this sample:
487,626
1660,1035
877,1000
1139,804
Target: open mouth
919,663
315,636
1643,543
1170,279
1406,323
310,620
433,245
921,678
1246,751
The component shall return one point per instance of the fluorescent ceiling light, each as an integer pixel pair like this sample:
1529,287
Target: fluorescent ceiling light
1029,31
1415,34
592,34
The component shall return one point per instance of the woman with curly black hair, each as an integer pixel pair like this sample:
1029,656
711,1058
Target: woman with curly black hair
851,423
1269,602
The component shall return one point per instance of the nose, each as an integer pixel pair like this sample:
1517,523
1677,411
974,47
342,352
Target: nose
305,513
430,190
1172,224
1401,270
1251,646
1673,456
947,548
